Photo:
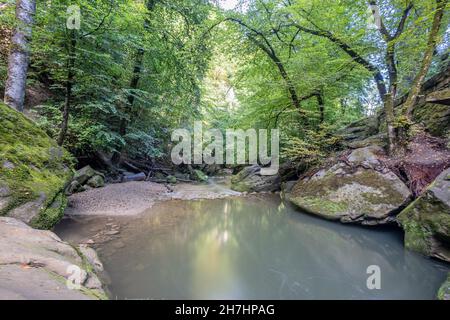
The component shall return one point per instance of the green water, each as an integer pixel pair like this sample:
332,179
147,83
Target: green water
253,248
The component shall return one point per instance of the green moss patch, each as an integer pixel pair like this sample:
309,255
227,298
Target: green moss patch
31,164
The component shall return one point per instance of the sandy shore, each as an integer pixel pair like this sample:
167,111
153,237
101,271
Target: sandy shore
132,198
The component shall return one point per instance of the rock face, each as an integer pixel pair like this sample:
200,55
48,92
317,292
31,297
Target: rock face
36,264
426,221
249,179
358,189
33,171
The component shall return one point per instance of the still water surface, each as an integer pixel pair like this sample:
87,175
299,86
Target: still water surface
253,248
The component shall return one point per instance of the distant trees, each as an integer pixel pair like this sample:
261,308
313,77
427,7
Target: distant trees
20,54
389,54
136,69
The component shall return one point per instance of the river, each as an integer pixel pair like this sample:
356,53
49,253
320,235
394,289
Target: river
253,247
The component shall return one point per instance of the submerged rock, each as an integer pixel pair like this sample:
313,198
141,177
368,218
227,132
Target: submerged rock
426,221
36,264
358,189
249,179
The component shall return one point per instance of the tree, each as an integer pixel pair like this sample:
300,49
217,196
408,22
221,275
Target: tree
19,55
136,76
427,58
398,20
70,80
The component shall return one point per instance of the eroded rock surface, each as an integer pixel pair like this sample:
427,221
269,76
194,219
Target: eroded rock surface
357,189
35,264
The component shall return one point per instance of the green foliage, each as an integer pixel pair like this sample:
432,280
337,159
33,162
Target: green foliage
200,63
313,147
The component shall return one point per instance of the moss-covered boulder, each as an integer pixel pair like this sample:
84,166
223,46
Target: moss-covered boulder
96,181
426,221
444,290
171,179
33,171
358,189
249,179
199,175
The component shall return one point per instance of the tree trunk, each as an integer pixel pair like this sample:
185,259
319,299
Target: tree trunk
426,62
321,106
390,97
134,83
19,56
133,86
390,118
69,86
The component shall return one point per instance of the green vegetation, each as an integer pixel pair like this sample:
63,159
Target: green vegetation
32,166
138,69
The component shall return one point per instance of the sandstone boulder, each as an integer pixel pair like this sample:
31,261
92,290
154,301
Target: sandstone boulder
358,189
36,264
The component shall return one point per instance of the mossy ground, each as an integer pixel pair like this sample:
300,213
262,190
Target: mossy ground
35,165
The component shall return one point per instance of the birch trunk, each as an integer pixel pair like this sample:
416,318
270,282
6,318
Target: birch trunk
19,55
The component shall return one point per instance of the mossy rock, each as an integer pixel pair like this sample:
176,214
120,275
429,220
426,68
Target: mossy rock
426,221
96,181
34,170
444,290
249,179
434,117
171,179
357,191
199,176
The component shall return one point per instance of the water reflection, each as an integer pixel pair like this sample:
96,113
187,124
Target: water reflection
257,248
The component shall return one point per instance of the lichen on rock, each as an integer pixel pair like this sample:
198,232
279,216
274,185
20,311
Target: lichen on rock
358,190
33,169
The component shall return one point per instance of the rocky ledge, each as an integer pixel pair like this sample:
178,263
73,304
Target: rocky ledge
36,264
